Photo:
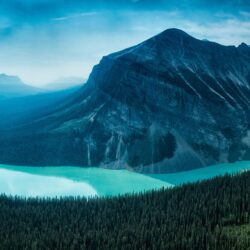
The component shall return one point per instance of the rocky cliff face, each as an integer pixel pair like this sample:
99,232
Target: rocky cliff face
169,104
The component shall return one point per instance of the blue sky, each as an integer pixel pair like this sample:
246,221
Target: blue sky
42,40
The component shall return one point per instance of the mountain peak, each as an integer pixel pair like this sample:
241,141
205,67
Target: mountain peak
174,31
8,79
165,41
244,47
174,34
11,86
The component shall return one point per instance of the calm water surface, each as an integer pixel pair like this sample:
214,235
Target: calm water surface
89,182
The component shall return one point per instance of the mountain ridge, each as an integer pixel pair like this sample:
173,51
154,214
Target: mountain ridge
12,86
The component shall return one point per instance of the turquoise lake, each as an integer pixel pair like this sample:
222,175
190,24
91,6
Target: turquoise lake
89,182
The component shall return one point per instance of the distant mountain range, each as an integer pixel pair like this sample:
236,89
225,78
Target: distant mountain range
11,86
169,104
65,83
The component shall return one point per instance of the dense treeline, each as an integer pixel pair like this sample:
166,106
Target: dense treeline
194,216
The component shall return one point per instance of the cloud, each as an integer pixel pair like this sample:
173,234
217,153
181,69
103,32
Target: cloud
139,28
225,29
228,32
45,39
76,15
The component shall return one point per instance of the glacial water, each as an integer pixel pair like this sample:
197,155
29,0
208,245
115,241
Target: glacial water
203,173
73,181
89,182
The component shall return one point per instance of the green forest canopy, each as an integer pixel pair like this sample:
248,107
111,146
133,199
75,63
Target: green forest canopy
213,214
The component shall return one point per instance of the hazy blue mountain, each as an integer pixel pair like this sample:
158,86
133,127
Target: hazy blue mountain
65,83
169,104
22,109
11,86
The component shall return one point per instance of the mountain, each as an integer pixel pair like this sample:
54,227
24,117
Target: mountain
11,86
169,104
21,109
65,83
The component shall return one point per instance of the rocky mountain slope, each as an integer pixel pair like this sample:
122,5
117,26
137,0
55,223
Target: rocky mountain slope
169,104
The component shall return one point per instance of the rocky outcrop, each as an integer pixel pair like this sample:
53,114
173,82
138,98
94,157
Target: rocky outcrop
169,104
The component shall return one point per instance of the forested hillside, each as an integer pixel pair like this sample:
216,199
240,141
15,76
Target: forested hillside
213,214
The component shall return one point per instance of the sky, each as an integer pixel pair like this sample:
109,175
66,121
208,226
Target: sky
43,40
